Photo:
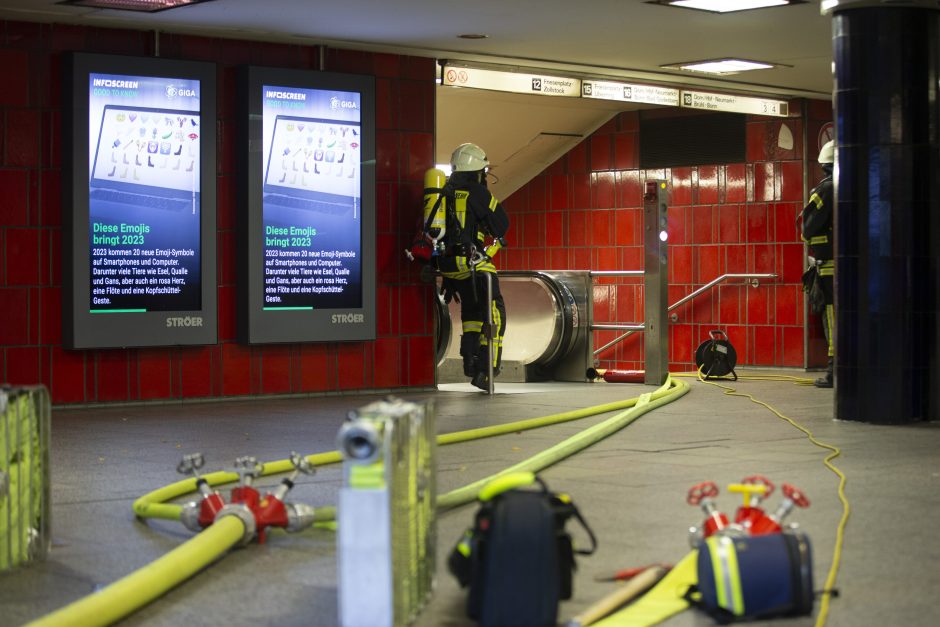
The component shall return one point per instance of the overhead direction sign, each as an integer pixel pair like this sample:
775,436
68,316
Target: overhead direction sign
519,83
734,104
628,92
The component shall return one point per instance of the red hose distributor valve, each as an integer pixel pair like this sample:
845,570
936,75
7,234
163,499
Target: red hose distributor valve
246,503
754,489
703,495
792,496
272,511
199,515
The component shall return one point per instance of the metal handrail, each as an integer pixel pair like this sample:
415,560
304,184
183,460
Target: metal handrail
631,329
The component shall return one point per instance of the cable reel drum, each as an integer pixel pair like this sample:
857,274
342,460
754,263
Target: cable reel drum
716,357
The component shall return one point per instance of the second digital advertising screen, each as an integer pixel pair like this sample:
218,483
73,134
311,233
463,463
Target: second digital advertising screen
311,198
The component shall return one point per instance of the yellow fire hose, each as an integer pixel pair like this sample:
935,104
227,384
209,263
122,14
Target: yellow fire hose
150,582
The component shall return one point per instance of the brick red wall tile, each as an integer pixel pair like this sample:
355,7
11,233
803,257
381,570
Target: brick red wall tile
14,316
153,374
735,183
387,360
420,361
757,222
629,189
50,324
50,210
22,256
558,189
352,367
578,222
196,372
600,150
758,305
14,210
227,306
757,141
604,190
111,374
67,380
703,225
22,365
275,369
602,232
581,190
790,175
22,138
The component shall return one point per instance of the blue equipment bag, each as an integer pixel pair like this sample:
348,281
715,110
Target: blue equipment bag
750,577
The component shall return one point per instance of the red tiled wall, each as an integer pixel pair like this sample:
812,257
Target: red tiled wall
30,231
585,212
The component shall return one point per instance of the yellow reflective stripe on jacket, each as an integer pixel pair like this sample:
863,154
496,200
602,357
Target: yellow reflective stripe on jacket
472,326
486,266
494,248
816,200
727,576
827,268
493,203
461,206
819,239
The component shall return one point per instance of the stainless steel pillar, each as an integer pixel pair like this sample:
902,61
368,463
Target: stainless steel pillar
656,294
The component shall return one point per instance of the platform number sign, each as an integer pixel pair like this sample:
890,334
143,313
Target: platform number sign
536,83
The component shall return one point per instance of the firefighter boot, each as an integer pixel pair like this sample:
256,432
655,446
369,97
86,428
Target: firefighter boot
469,350
826,381
482,378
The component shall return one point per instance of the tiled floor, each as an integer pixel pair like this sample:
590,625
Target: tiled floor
631,488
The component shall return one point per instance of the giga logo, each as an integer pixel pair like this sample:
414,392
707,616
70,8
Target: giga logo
184,321
336,103
348,318
172,91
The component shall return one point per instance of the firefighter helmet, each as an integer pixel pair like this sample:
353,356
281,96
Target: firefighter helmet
468,158
827,152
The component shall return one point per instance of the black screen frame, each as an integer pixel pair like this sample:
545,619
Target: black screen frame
81,328
257,325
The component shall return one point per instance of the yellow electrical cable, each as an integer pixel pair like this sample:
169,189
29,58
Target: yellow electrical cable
840,529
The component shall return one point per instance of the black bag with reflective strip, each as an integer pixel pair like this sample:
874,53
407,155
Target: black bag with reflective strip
518,559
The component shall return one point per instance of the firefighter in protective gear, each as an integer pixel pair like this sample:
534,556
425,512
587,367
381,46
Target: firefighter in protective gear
476,225
817,232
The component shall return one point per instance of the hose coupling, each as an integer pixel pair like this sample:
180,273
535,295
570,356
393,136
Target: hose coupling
243,514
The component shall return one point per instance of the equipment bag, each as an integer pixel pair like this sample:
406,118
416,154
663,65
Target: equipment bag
517,559
716,357
751,577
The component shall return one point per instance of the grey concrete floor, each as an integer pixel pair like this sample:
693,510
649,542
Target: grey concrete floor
630,487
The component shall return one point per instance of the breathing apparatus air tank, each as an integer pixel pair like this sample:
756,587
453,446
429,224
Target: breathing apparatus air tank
435,204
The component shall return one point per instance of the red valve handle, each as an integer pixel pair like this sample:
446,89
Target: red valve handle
760,480
701,491
795,494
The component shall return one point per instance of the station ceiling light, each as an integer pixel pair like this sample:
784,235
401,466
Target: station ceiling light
725,6
143,6
720,66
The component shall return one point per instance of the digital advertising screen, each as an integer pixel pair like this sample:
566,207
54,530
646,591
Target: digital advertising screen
142,197
308,207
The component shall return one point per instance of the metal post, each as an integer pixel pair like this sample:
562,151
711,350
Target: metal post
489,330
656,294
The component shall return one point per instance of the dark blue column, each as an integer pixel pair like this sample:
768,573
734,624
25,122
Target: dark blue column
887,224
